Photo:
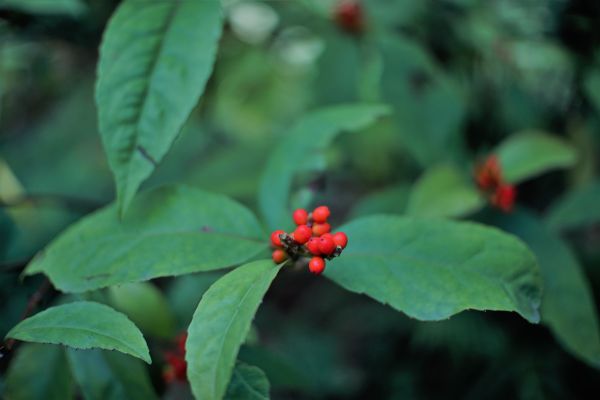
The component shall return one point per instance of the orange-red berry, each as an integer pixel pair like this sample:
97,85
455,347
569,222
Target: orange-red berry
321,229
340,239
320,214
300,216
316,265
275,239
504,197
279,256
489,175
302,234
313,246
326,244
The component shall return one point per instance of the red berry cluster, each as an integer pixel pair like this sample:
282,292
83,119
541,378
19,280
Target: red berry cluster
176,369
311,238
488,176
349,16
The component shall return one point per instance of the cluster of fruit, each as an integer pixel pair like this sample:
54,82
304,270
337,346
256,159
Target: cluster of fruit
176,369
311,239
488,176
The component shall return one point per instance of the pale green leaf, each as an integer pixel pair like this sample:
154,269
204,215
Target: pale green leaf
221,324
568,306
39,371
443,192
528,154
300,150
145,305
169,231
83,325
108,375
248,383
431,269
577,208
155,59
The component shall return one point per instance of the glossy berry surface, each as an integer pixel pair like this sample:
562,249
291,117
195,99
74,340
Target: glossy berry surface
326,244
316,265
275,239
300,216
302,234
321,229
340,239
279,256
313,246
320,214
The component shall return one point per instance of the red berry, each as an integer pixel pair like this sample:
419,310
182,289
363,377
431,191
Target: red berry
302,234
349,15
316,265
275,239
504,197
489,175
181,339
320,214
326,244
300,216
313,246
279,256
340,239
320,229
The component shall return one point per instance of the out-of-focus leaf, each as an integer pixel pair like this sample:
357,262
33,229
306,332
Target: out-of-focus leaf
39,371
11,189
592,87
392,200
528,154
169,231
432,269
443,192
45,7
221,324
577,208
184,293
300,151
83,325
108,375
248,383
150,76
567,305
145,305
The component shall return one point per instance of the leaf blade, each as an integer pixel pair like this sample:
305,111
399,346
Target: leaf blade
70,324
227,308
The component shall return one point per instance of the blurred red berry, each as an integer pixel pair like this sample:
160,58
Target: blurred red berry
320,214
279,256
320,229
489,175
326,244
504,197
316,265
181,342
302,234
275,239
313,246
340,239
300,216
349,16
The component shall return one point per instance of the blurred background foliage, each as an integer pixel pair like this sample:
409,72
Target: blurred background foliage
461,75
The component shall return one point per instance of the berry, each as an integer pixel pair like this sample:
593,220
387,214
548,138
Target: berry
504,197
326,244
279,256
275,239
489,175
313,246
320,229
300,216
302,234
340,239
320,214
316,265
349,15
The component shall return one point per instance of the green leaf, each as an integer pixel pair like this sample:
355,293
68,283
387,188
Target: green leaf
221,324
443,192
568,306
391,200
248,383
528,154
83,325
169,231
431,269
301,150
39,371
150,75
107,375
145,305
577,208
45,7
